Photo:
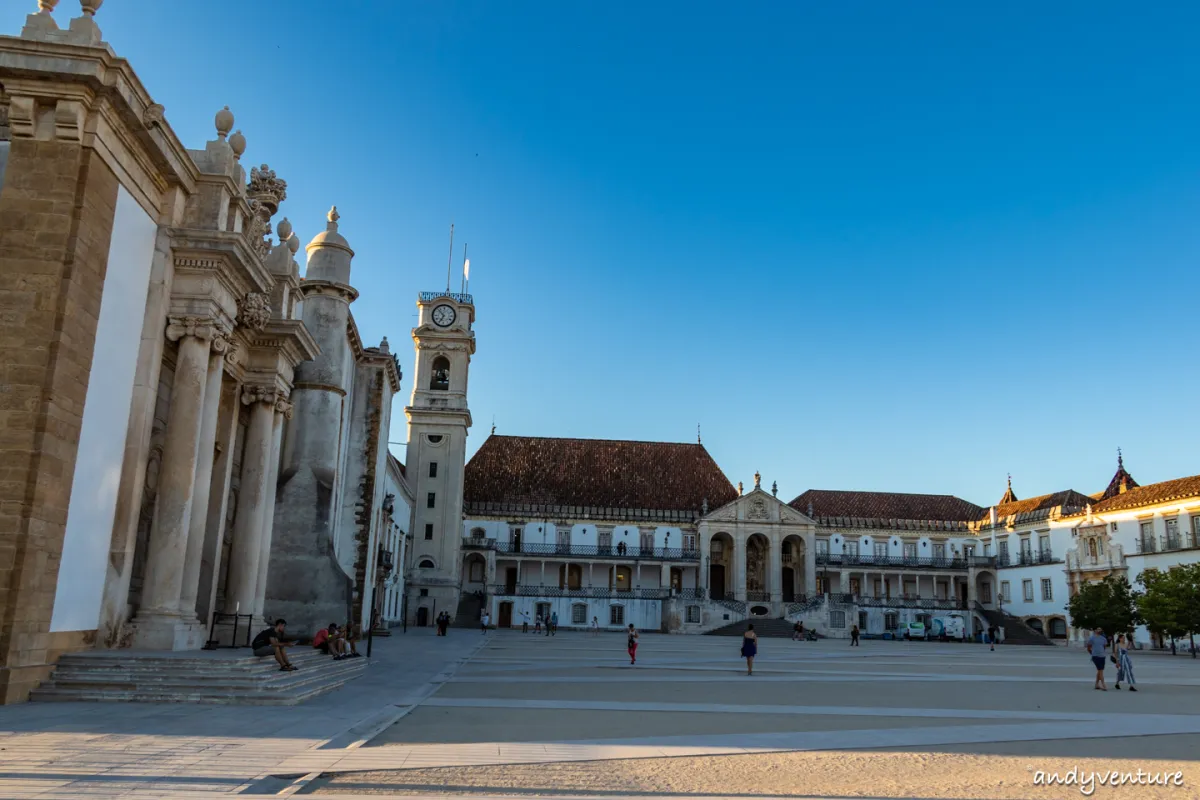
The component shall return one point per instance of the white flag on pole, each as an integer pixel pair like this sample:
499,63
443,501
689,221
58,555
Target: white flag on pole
467,269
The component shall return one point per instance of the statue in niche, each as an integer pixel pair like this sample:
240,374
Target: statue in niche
756,557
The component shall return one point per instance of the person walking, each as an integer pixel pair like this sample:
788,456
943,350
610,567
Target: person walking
1124,664
537,624
554,623
595,626
484,621
1095,648
854,636
992,637
631,644
749,647
524,621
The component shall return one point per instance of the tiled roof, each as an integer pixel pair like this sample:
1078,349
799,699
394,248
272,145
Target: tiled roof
1153,494
511,472
1034,508
1121,479
887,509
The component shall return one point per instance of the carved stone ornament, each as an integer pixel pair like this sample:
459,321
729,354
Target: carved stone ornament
199,327
758,509
254,311
266,187
285,408
260,393
153,115
221,343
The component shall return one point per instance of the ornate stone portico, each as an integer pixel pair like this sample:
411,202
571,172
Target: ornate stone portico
758,552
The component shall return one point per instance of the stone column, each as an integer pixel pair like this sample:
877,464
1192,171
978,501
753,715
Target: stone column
283,410
775,568
205,454
810,565
738,582
252,500
664,578
161,624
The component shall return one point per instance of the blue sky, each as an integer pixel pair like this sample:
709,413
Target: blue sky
905,247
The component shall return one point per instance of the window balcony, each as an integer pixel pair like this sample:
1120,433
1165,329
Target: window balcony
599,592
1145,545
478,543
596,551
954,562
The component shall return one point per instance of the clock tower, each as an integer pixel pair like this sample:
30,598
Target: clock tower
438,419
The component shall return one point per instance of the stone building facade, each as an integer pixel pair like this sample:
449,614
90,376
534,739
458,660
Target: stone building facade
168,377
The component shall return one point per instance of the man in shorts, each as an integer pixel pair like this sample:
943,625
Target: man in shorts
1095,648
271,642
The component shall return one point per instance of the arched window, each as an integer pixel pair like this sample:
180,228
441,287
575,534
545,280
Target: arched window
439,379
426,563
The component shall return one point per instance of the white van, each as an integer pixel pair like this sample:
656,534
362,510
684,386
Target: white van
948,626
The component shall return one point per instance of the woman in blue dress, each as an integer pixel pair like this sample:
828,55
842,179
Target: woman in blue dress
749,648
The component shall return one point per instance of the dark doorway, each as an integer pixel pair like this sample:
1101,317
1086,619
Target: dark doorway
716,581
422,617
505,615
789,585
510,580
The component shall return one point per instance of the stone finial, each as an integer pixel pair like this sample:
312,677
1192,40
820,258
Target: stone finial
384,347
46,6
757,480
739,488
283,228
90,7
224,122
237,143
333,216
775,488
293,244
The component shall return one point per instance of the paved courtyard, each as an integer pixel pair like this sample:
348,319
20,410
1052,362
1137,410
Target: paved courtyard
521,715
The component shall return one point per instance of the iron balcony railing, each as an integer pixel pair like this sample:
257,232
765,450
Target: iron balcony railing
1147,545
698,593
953,562
504,590
478,543
909,601
457,297
758,597
1026,559
597,551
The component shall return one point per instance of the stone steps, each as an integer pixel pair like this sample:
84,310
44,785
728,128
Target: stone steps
765,628
123,676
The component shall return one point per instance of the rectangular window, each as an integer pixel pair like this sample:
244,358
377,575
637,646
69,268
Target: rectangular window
431,500
881,549
1172,526
878,587
428,530
476,572
910,549
852,548
1044,547
1005,592
1047,591
1003,551
647,541
1195,529
855,586
939,550
862,621
910,589
820,584
433,469
985,593
579,614
822,547
1027,591
1146,538
1026,546
616,615
837,619
693,615
891,621
689,542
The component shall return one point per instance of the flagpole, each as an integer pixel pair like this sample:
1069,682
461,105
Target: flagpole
450,258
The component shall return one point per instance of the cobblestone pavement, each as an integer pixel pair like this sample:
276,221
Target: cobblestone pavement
570,717
510,714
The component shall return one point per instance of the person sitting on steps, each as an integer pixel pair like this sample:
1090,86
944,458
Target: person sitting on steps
272,642
330,641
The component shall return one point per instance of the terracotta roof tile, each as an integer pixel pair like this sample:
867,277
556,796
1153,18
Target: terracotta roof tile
1152,494
1041,507
872,507
596,473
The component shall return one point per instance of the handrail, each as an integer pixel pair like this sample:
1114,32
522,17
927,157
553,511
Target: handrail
869,560
597,551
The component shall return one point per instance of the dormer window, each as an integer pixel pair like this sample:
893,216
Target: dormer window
440,379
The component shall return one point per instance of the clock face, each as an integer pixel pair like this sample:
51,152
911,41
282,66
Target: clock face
444,316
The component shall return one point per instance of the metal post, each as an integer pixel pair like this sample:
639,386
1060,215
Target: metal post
370,638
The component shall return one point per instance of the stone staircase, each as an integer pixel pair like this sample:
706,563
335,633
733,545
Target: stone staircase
219,677
1015,630
765,628
468,612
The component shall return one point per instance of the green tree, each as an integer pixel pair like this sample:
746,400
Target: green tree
1186,581
1110,605
1160,605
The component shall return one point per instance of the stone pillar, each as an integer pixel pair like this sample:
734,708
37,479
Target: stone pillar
738,582
810,565
205,455
161,623
283,410
252,500
775,568
664,578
